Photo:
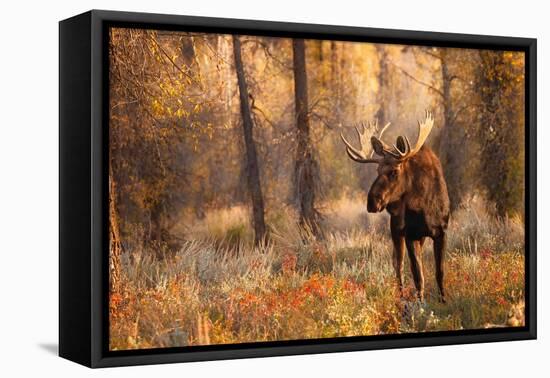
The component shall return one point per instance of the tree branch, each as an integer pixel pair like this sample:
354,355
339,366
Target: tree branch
174,63
268,52
433,55
457,113
431,87
322,119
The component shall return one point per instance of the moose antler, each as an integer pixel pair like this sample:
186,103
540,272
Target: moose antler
364,154
400,151
403,149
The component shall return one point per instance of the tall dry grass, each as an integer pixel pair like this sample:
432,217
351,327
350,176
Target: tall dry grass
218,288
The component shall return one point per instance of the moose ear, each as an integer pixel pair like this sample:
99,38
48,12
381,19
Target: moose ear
377,145
400,144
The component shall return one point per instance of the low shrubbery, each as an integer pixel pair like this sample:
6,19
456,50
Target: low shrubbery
217,288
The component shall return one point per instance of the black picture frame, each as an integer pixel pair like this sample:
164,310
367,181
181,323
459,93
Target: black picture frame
83,193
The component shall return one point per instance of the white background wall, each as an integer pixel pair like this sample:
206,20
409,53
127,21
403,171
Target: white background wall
29,189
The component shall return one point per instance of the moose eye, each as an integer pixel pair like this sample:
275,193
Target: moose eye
393,174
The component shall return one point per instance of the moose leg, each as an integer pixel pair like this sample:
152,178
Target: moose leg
398,239
439,254
415,256
398,256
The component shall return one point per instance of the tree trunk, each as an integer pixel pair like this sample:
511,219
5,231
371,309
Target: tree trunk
451,140
306,168
187,51
336,79
383,84
115,245
502,134
252,169
156,228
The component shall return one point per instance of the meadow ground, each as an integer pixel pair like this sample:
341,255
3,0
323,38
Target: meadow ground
217,289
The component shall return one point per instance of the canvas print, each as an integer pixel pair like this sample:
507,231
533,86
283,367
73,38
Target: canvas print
273,189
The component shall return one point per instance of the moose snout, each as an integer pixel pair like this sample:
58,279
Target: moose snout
374,205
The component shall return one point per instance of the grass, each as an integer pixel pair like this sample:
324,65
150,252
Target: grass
218,289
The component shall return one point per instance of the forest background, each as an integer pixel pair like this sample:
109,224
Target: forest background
224,148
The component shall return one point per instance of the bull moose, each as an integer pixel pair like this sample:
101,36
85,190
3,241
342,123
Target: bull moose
411,187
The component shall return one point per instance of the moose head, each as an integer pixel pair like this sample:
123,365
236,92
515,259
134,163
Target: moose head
393,179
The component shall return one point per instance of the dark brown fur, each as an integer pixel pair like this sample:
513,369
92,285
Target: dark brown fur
414,193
